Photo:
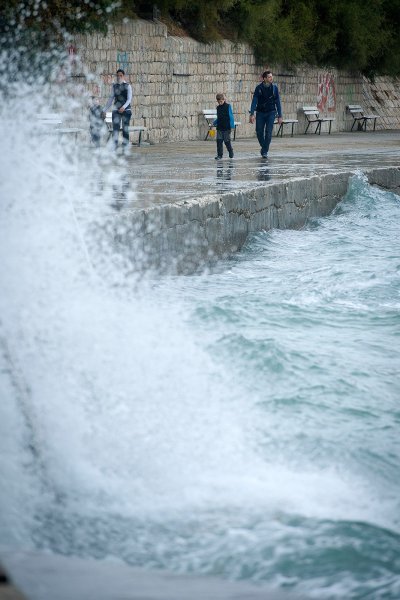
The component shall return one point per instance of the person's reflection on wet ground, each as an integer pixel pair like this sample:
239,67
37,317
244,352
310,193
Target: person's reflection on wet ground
263,172
98,185
120,193
224,174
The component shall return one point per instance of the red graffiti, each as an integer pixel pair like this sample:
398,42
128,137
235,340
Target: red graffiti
326,95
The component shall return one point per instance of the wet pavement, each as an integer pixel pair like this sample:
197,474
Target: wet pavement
169,173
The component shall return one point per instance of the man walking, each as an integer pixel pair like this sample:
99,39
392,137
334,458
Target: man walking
121,95
267,105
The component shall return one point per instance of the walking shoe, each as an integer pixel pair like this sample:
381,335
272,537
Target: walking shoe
218,157
264,155
231,155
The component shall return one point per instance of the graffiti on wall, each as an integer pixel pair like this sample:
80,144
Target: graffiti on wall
122,60
69,67
349,93
71,51
326,95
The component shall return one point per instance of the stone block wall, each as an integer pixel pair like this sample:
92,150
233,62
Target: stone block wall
174,78
382,97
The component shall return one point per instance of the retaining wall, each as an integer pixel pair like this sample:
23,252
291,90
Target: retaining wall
174,78
180,237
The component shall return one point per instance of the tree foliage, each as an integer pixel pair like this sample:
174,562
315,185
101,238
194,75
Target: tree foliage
349,34
34,33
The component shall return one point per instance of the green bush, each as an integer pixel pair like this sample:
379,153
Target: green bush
360,35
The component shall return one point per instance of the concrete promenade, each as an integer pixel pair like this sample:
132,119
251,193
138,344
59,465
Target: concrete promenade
178,208
167,173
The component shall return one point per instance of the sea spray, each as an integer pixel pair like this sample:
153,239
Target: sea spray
242,423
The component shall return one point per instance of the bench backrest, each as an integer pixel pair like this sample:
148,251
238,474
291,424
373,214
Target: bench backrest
311,111
355,109
210,114
49,118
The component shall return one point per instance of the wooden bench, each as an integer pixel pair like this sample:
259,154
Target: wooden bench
210,115
132,128
359,116
51,119
312,116
52,123
291,122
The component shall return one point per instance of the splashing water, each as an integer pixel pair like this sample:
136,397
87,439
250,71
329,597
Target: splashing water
242,423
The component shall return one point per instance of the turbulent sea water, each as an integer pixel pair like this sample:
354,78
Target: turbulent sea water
243,423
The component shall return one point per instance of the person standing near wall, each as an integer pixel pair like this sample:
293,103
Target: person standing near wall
121,96
267,105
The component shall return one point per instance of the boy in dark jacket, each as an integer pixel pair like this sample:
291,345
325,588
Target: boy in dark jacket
224,123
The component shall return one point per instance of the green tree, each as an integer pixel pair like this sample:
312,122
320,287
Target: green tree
33,33
350,34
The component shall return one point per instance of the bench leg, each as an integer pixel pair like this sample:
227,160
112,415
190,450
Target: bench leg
308,125
234,134
140,138
280,130
374,124
330,125
292,130
354,122
318,128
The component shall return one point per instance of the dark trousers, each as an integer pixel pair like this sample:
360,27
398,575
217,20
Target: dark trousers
95,135
96,131
116,121
96,123
224,137
264,126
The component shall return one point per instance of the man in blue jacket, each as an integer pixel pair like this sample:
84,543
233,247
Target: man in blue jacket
267,105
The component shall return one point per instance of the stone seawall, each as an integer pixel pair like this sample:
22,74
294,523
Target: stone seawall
180,237
175,78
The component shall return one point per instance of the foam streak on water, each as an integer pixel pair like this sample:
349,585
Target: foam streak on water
243,423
